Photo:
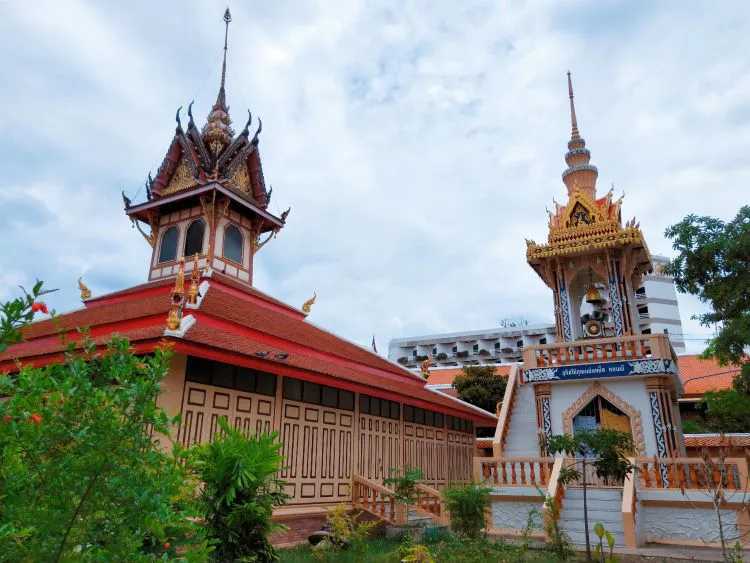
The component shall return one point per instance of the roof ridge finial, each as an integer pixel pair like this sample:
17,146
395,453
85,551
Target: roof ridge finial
574,134
222,95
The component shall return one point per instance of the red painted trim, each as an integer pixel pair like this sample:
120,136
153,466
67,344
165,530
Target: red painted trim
233,358
12,366
293,348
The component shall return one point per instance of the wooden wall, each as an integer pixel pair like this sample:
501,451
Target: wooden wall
326,433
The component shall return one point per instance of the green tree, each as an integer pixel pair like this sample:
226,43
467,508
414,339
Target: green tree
81,476
240,491
713,263
18,312
466,505
481,386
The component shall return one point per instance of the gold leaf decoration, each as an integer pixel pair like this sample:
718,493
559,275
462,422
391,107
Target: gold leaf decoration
181,179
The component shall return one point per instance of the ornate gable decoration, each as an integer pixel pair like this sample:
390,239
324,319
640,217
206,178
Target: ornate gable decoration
584,225
181,179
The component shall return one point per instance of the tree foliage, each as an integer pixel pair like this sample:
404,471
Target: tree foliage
81,476
18,312
240,491
481,386
713,262
727,411
608,448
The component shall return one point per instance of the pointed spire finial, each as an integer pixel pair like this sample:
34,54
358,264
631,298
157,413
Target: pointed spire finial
574,134
227,19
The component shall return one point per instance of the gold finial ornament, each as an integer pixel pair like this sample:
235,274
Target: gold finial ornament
85,291
178,298
424,368
195,278
307,305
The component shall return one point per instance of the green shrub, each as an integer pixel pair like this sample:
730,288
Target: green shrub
81,477
240,491
404,484
466,505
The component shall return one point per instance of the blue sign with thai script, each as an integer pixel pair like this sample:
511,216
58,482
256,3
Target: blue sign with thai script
594,371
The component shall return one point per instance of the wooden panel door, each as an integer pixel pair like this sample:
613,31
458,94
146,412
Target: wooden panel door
379,447
317,448
203,406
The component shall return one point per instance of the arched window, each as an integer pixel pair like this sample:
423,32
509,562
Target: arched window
194,238
233,244
168,248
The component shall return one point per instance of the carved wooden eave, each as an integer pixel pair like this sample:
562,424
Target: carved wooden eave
144,211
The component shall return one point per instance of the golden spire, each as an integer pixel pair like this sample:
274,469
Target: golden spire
580,176
307,305
85,291
218,133
574,134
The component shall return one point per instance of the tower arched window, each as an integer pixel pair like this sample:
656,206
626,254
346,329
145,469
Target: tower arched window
194,238
168,247
233,244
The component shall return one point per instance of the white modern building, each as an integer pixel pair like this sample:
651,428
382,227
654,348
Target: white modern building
474,347
658,313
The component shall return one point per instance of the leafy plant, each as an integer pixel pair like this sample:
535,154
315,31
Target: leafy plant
466,505
404,483
481,386
418,553
727,411
240,491
599,552
560,544
81,477
18,312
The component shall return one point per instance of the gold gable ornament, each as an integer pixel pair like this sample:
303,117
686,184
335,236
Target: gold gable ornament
307,305
182,179
85,291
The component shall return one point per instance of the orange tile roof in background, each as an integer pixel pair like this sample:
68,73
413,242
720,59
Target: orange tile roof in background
717,440
446,376
699,376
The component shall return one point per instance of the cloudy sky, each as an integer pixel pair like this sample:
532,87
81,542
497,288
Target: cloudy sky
417,143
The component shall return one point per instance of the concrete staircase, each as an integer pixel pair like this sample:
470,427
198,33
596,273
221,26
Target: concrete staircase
521,438
603,506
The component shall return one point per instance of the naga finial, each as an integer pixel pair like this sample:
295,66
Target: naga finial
424,368
174,318
285,214
85,291
307,305
177,118
195,278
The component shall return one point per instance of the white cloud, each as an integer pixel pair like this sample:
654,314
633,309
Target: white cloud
417,143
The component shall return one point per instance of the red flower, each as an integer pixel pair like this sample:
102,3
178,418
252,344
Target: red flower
7,418
36,418
167,545
39,306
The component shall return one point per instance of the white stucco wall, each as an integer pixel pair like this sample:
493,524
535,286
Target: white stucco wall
515,514
632,391
689,523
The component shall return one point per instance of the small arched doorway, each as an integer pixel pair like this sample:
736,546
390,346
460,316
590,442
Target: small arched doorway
599,413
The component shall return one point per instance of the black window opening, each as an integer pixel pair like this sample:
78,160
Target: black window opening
460,424
425,417
379,407
233,244
194,238
317,394
219,374
542,341
168,247
475,348
497,345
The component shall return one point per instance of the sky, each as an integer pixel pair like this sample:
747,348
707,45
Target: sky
417,143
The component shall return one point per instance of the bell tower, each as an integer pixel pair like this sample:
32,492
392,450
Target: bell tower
208,204
592,261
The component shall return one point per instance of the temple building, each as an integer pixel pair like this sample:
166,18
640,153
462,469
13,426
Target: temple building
602,372
344,414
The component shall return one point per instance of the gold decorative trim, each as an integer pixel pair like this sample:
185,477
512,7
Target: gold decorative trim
182,179
596,388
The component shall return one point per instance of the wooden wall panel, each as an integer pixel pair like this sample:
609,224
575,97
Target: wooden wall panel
203,405
460,456
425,448
317,447
379,446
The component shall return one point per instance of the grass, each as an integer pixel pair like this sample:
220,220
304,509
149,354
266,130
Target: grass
447,549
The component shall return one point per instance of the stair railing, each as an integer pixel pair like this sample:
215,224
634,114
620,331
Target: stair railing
378,500
629,508
430,500
509,397
556,493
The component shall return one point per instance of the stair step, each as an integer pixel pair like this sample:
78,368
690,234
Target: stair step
595,494
579,538
580,526
603,516
576,505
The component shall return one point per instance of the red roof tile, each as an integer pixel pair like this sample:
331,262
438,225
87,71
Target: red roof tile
699,375
717,440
